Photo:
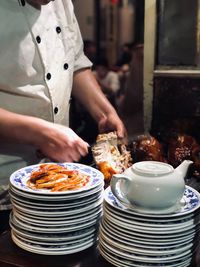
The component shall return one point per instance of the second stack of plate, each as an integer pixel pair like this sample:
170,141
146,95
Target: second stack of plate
130,238
55,223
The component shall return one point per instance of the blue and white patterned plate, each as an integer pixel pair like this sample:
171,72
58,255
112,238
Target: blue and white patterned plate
54,229
191,200
52,250
55,237
19,178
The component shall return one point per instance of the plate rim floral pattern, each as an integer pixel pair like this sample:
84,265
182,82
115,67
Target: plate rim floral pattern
191,197
19,178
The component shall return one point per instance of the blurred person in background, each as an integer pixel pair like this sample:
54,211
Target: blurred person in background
125,55
42,66
107,79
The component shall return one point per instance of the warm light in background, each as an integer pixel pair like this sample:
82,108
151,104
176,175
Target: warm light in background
114,2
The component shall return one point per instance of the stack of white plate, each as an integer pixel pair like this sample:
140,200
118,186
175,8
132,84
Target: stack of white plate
130,238
56,223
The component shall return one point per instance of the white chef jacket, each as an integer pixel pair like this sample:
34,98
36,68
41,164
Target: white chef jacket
39,52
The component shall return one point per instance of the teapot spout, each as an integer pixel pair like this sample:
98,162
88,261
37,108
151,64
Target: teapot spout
183,167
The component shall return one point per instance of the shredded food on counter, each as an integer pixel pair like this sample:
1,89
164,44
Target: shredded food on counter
111,155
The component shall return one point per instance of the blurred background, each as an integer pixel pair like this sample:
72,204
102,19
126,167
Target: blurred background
111,24
153,47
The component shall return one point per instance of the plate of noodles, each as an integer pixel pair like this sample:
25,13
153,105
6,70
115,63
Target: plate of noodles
56,178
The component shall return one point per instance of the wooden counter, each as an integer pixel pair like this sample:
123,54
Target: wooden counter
13,256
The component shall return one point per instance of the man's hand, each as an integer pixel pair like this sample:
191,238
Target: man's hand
57,142
112,123
88,92
62,144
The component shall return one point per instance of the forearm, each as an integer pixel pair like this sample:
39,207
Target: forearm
107,89
88,92
19,128
55,141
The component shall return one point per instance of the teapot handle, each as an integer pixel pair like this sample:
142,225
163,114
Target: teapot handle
116,187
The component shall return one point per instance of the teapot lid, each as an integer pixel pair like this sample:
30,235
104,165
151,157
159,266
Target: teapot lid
152,168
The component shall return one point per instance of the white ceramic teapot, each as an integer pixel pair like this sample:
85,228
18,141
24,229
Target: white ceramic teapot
151,186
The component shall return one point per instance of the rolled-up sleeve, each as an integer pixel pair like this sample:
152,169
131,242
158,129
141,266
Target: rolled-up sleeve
81,61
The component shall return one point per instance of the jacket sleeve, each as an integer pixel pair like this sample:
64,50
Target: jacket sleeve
81,61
